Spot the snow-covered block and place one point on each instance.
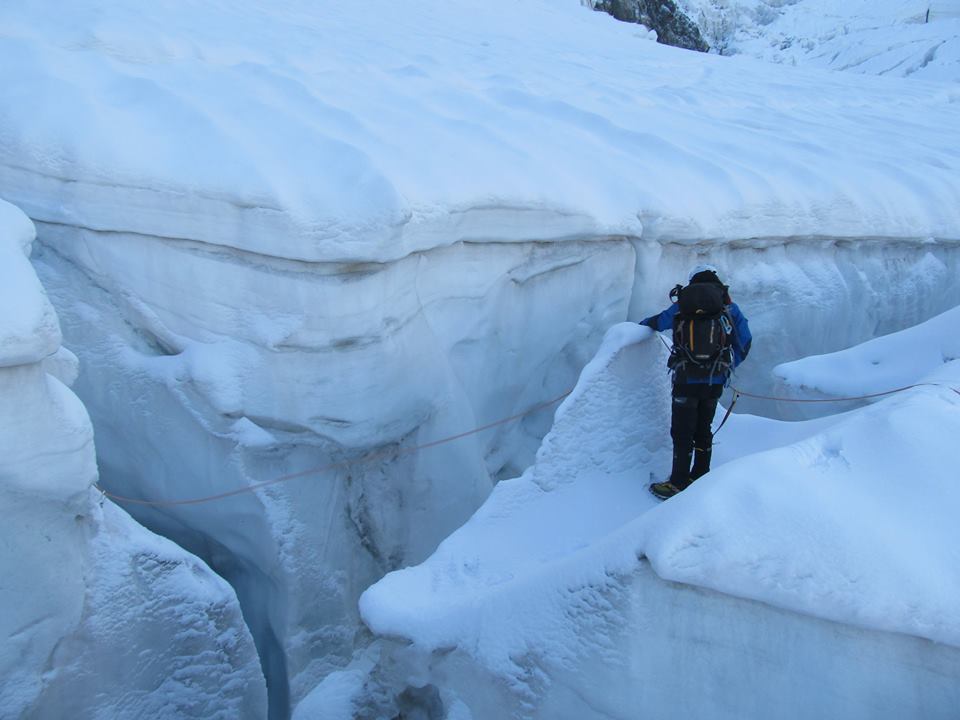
(821, 563)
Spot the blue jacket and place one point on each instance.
(741, 335)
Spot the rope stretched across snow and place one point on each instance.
(451, 438)
(335, 466)
(882, 393)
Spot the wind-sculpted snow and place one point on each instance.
(101, 618)
(365, 132)
(546, 594)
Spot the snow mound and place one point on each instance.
(813, 517)
(855, 523)
(884, 363)
(101, 619)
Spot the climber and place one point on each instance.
(710, 338)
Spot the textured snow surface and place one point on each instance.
(811, 517)
(101, 618)
(341, 132)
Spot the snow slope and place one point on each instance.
(101, 618)
(547, 593)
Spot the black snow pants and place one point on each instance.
(694, 406)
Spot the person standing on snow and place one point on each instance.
(710, 338)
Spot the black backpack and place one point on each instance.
(702, 333)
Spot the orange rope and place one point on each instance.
(882, 393)
(458, 436)
(332, 466)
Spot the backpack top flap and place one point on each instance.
(703, 299)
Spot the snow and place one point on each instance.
(286, 132)
(813, 517)
(336, 698)
(884, 363)
(101, 618)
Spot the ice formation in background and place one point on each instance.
(280, 238)
(101, 618)
(918, 39)
(572, 593)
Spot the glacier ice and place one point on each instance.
(277, 243)
(101, 618)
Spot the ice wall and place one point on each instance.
(101, 619)
(665, 650)
(225, 369)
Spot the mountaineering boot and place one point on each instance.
(665, 490)
(679, 477)
(701, 462)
